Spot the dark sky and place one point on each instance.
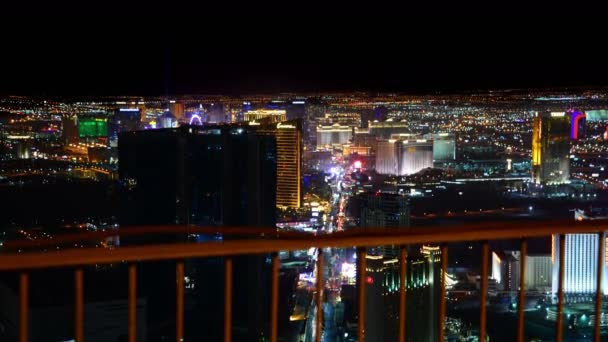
(146, 56)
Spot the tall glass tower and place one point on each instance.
(551, 148)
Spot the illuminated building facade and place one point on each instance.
(423, 283)
(538, 272)
(551, 148)
(505, 270)
(177, 109)
(385, 129)
(334, 135)
(69, 128)
(289, 161)
(266, 115)
(362, 138)
(167, 120)
(403, 157)
(91, 127)
(386, 157)
(342, 118)
(444, 146)
(580, 262)
(415, 156)
(360, 150)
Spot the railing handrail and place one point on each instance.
(361, 237)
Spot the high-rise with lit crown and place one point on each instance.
(551, 148)
(289, 161)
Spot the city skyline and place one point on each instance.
(400, 175)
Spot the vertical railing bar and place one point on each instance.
(598, 289)
(319, 296)
(179, 299)
(442, 294)
(132, 302)
(483, 295)
(228, 299)
(402, 291)
(560, 289)
(361, 270)
(274, 310)
(522, 292)
(78, 305)
(24, 284)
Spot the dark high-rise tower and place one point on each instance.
(198, 175)
(206, 176)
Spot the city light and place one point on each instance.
(71, 167)
(195, 117)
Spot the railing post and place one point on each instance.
(78, 305)
(484, 291)
(601, 244)
(274, 309)
(228, 299)
(132, 302)
(402, 291)
(560, 289)
(442, 294)
(522, 292)
(179, 307)
(23, 306)
(361, 270)
(319, 296)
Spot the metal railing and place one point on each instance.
(276, 241)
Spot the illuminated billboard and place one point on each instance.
(93, 127)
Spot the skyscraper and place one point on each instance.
(69, 128)
(289, 161)
(384, 210)
(198, 175)
(551, 148)
(386, 157)
(211, 176)
(580, 263)
(177, 109)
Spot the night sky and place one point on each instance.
(154, 57)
